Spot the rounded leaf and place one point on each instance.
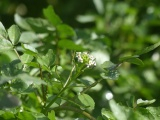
(86, 100)
(14, 34)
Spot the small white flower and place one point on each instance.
(84, 57)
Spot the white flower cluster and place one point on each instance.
(84, 57)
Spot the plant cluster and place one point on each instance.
(45, 79)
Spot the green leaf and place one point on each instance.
(155, 111)
(65, 31)
(3, 33)
(33, 64)
(26, 58)
(22, 22)
(5, 57)
(132, 102)
(108, 65)
(18, 86)
(107, 115)
(118, 112)
(30, 79)
(48, 59)
(39, 25)
(14, 34)
(51, 115)
(8, 115)
(142, 114)
(13, 68)
(51, 16)
(5, 45)
(29, 49)
(148, 49)
(141, 102)
(112, 74)
(68, 44)
(132, 59)
(4, 79)
(40, 116)
(99, 6)
(26, 116)
(86, 100)
(28, 37)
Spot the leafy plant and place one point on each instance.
(47, 75)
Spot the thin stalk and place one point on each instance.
(67, 83)
(19, 58)
(17, 54)
(92, 85)
(85, 90)
(43, 86)
(69, 77)
(70, 101)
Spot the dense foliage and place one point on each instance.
(106, 68)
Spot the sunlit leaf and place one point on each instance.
(117, 110)
(29, 49)
(141, 102)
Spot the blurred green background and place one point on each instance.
(118, 28)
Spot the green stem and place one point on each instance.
(44, 89)
(17, 54)
(70, 101)
(67, 83)
(69, 78)
(92, 85)
(85, 90)
(24, 66)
